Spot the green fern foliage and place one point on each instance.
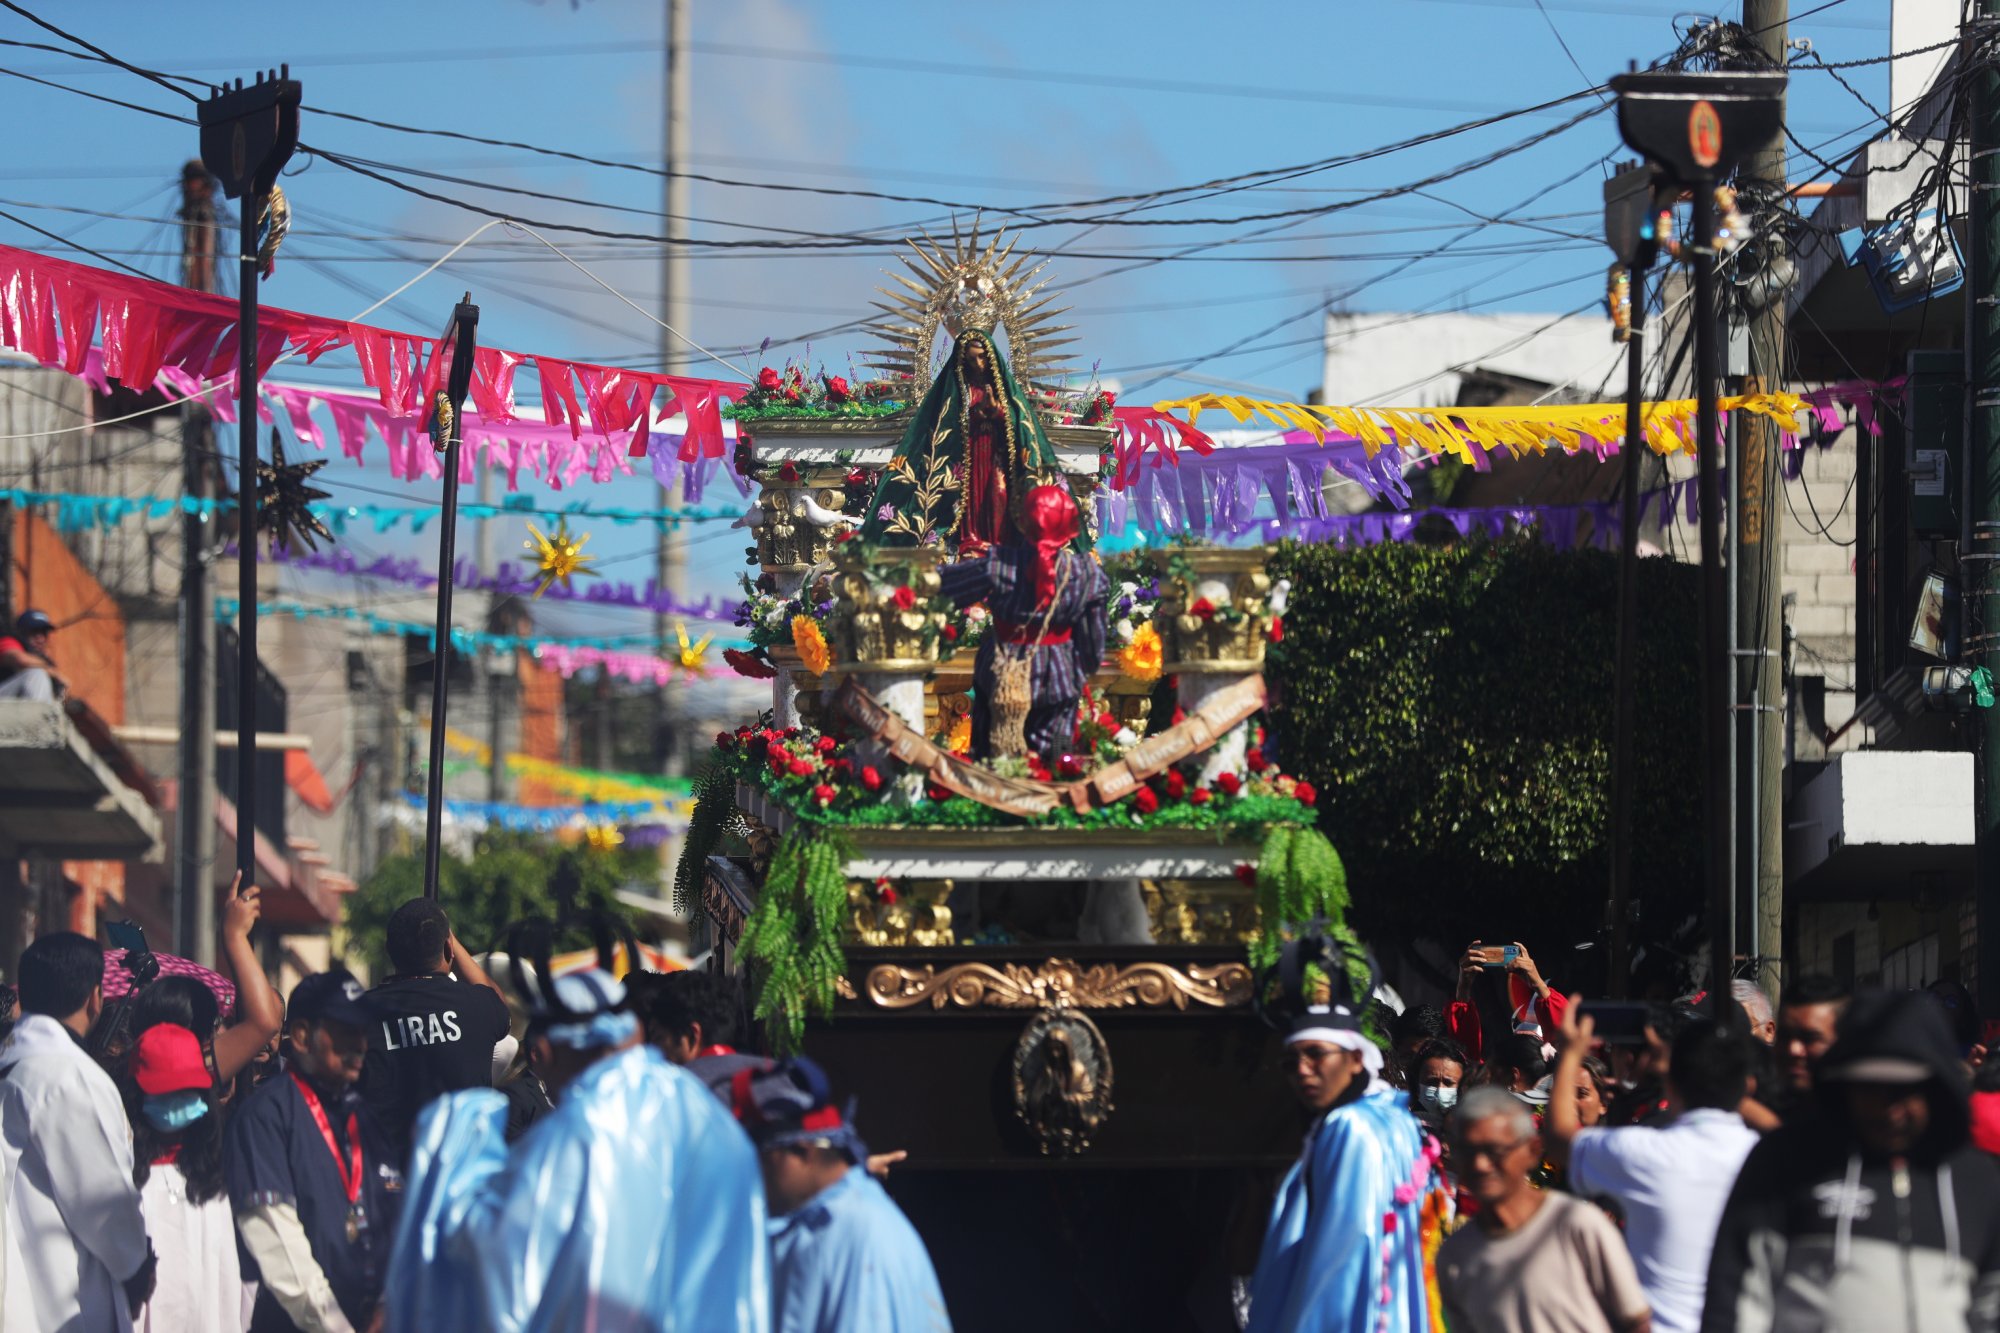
(791, 943)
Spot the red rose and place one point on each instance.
(837, 390)
(887, 893)
(724, 740)
(800, 768)
(937, 793)
(1277, 634)
(791, 733)
(1246, 873)
(1110, 398)
(904, 597)
(1199, 796)
(871, 778)
(791, 393)
(1068, 766)
(1146, 802)
(775, 751)
(1202, 607)
(857, 478)
(767, 379)
(1229, 783)
(1107, 721)
(1304, 791)
(1176, 784)
(825, 744)
(949, 634)
(824, 794)
(1256, 762)
(788, 471)
(840, 765)
(778, 764)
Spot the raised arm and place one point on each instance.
(468, 968)
(259, 1011)
(1561, 1124)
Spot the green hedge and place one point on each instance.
(1454, 705)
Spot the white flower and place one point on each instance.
(776, 618)
(975, 613)
(1281, 597)
(1126, 736)
(1125, 630)
(1128, 589)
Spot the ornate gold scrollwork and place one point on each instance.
(1059, 983)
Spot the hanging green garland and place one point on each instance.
(791, 943)
(714, 805)
(1299, 880)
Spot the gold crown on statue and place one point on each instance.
(959, 287)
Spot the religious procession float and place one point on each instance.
(1008, 851)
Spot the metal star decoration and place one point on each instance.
(284, 500)
(560, 556)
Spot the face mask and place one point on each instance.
(174, 1110)
(1436, 1094)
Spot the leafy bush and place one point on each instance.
(510, 876)
(1453, 706)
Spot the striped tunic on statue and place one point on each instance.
(1064, 656)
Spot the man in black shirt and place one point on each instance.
(431, 1032)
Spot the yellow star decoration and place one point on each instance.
(691, 653)
(560, 556)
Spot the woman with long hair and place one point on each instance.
(177, 1164)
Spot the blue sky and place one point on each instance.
(1075, 101)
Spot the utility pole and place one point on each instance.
(1982, 379)
(194, 884)
(670, 567)
(1757, 537)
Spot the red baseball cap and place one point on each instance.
(167, 1058)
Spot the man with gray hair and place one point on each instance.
(1757, 1005)
(1532, 1259)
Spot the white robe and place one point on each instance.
(200, 1284)
(73, 1226)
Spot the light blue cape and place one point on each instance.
(850, 1262)
(1331, 1261)
(635, 1204)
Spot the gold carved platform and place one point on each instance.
(1058, 983)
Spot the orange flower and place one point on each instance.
(1142, 658)
(811, 643)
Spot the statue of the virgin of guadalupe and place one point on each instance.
(974, 449)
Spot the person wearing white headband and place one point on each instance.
(1341, 1251)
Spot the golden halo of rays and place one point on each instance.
(559, 557)
(955, 286)
(692, 655)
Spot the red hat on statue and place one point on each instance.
(1050, 521)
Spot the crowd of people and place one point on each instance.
(427, 1154)
(198, 1156)
(1830, 1164)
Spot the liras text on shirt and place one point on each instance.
(419, 1030)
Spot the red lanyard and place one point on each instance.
(350, 1169)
